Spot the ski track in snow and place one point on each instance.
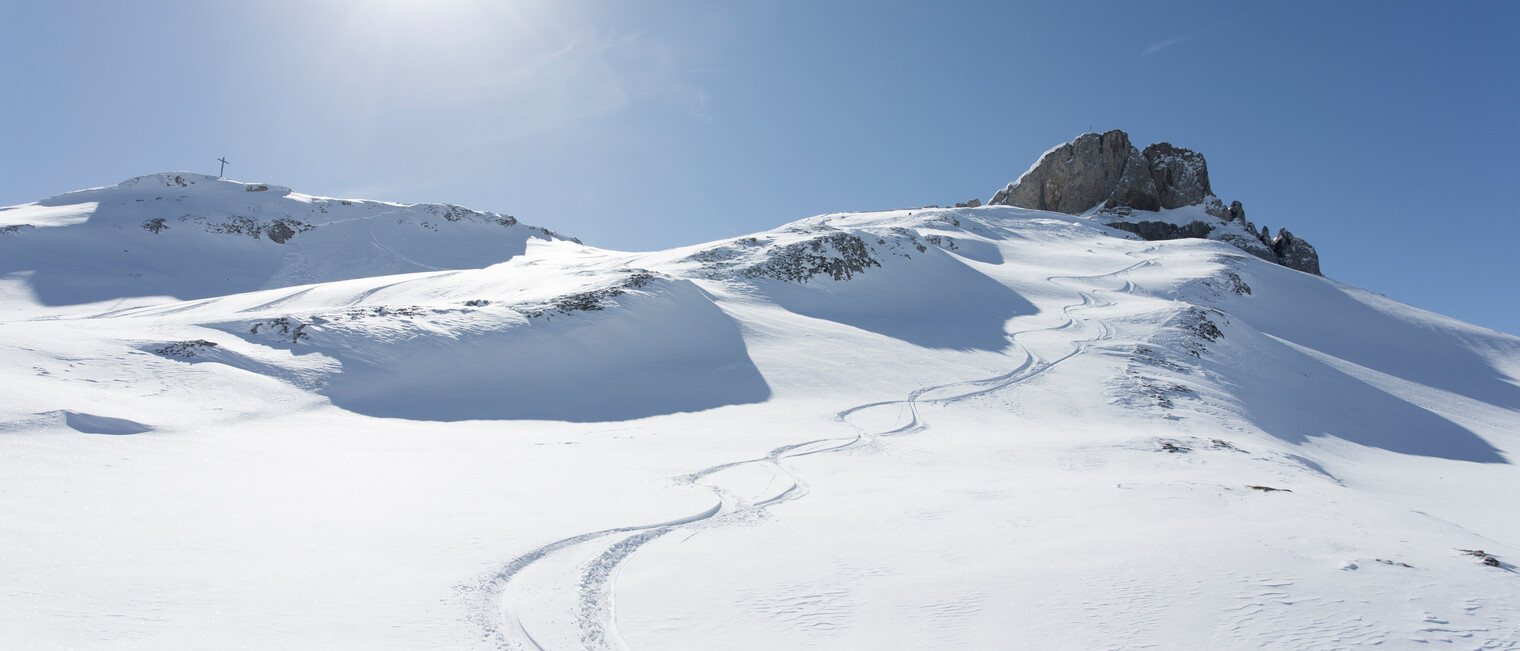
(282, 300)
(376, 242)
(595, 601)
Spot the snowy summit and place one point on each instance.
(1102, 411)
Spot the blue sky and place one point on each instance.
(1382, 132)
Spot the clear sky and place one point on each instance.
(1385, 133)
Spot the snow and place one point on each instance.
(190, 236)
(1009, 428)
(43, 216)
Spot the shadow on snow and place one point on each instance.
(931, 300)
(667, 351)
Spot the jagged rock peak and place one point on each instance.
(1106, 174)
(1181, 175)
(1107, 170)
(1237, 212)
(1078, 176)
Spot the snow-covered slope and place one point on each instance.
(973, 428)
(194, 236)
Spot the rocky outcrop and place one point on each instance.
(1106, 170)
(1181, 175)
(1295, 253)
(280, 232)
(1104, 173)
(1165, 230)
(1251, 244)
(838, 255)
(1080, 175)
(1136, 187)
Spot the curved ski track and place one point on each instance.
(594, 615)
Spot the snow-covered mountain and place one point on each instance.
(238, 417)
(195, 236)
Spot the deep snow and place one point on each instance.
(973, 428)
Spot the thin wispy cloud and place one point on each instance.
(1188, 37)
(1169, 42)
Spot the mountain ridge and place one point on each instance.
(963, 427)
(116, 241)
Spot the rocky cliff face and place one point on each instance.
(1107, 174)
(1181, 175)
(1080, 175)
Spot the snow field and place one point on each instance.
(1025, 432)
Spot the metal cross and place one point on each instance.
(224, 167)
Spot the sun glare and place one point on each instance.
(436, 13)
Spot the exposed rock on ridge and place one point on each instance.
(1295, 253)
(1181, 176)
(1104, 172)
(1080, 175)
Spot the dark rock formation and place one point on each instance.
(279, 232)
(1081, 174)
(1106, 169)
(1237, 212)
(1252, 245)
(1295, 253)
(837, 255)
(186, 349)
(1106, 172)
(1165, 230)
(1181, 175)
(1136, 187)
